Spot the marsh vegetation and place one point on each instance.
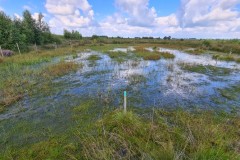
(65, 103)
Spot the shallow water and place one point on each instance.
(164, 84)
(149, 84)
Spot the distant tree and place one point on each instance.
(167, 38)
(76, 35)
(72, 35)
(95, 36)
(44, 30)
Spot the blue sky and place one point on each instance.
(130, 18)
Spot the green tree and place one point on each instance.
(30, 28)
(67, 34)
(5, 25)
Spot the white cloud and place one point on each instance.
(206, 18)
(26, 7)
(210, 17)
(70, 14)
(138, 11)
(35, 16)
(207, 12)
(1, 9)
(18, 16)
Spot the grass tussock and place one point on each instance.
(224, 57)
(1, 60)
(147, 134)
(154, 55)
(94, 58)
(208, 69)
(167, 55)
(118, 56)
(59, 69)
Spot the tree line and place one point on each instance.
(25, 31)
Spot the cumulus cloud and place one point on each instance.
(194, 18)
(219, 16)
(207, 13)
(70, 14)
(138, 11)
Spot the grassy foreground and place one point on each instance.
(140, 134)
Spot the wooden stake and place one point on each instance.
(1, 51)
(125, 101)
(18, 48)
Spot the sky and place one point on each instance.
(135, 18)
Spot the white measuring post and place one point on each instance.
(125, 102)
(1, 51)
(18, 48)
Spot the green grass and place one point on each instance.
(141, 134)
(208, 69)
(154, 55)
(224, 57)
(118, 56)
(21, 74)
(94, 58)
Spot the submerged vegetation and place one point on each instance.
(231, 93)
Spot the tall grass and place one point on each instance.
(141, 51)
(19, 75)
(147, 134)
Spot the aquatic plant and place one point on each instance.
(206, 69)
